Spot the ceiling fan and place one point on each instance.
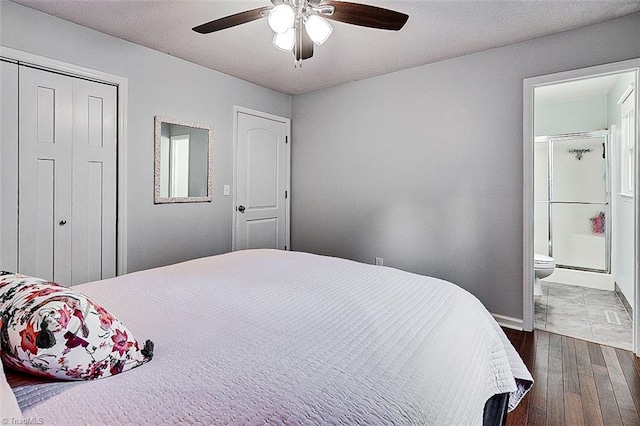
(299, 24)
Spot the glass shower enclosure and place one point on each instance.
(575, 200)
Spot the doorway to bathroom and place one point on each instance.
(580, 231)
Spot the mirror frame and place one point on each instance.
(158, 199)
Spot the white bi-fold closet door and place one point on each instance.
(67, 177)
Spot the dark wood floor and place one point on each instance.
(576, 382)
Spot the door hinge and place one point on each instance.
(285, 247)
(286, 139)
(286, 194)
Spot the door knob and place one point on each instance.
(241, 209)
(62, 222)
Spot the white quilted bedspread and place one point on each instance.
(278, 337)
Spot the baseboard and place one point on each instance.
(509, 322)
(582, 278)
(624, 300)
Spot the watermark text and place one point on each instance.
(22, 421)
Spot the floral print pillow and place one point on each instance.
(53, 331)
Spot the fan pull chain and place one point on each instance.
(297, 63)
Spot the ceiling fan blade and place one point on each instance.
(365, 15)
(232, 20)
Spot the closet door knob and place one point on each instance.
(62, 223)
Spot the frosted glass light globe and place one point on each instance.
(281, 18)
(318, 28)
(285, 41)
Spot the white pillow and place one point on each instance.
(54, 331)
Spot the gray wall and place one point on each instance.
(423, 167)
(159, 84)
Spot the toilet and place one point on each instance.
(543, 267)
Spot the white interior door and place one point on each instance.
(45, 178)
(94, 181)
(261, 184)
(67, 178)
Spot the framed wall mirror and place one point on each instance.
(182, 161)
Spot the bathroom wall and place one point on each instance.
(588, 115)
(577, 115)
(622, 206)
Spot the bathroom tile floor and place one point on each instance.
(583, 313)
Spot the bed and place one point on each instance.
(277, 337)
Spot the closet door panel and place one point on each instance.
(8, 166)
(45, 175)
(93, 238)
(44, 220)
(94, 181)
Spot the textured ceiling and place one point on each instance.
(436, 30)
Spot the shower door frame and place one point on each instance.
(607, 198)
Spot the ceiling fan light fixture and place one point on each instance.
(285, 41)
(287, 17)
(282, 18)
(318, 29)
